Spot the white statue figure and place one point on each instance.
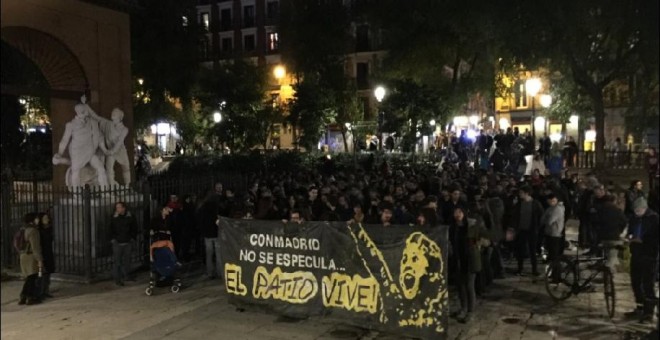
(115, 151)
(83, 137)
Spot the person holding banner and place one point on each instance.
(466, 238)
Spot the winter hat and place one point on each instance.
(640, 203)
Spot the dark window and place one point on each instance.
(362, 75)
(362, 38)
(364, 103)
(204, 21)
(225, 19)
(273, 41)
(272, 10)
(248, 42)
(205, 51)
(521, 94)
(227, 45)
(248, 16)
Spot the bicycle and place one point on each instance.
(567, 281)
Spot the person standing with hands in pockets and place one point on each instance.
(123, 230)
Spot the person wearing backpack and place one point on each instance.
(30, 259)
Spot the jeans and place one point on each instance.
(466, 292)
(486, 274)
(642, 280)
(121, 259)
(44, 286)
(496, 260)
(526, 245)
(212, 245)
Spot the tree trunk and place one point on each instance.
(599, 115)
(343, 136)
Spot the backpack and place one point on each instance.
(20, 242)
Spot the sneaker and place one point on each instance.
(22, 300)
(48, 296)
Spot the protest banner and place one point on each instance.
(392, 279)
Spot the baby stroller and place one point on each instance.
(164, 265)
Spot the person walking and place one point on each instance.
(466, 239)
(123, 232)
(46, 237)
(526, 220)
(643, 236)
(31, 260)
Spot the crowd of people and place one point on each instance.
(492, 214)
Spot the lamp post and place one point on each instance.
(533, 85)
(379, 93)
(546, 101)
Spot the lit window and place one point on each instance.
(204, 20)
(521, 94)
(184, 21)
(273, 41)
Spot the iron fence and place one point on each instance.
(613, 159)
(81, 217)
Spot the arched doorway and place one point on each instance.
(62, 71)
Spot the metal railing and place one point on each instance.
(81, 217)
(615, 160)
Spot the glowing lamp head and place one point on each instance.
(545, 100)
(379, 93)
(533, 86)
(279, 72)
(217, 117)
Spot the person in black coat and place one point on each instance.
(123, 232)
(46, 236)
(526, 220)
(644, 251)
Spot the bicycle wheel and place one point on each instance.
(560, 279)
(610, 292)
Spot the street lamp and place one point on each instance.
(379, 93)
(279, 72)
(217, 117)
(546, 101)
(533, 86)
(432, 122)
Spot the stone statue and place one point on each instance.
(83, 138)
(114, 149)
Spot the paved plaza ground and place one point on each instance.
(513, 308)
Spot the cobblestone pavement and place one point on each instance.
(513, 308)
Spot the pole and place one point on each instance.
(533, 128)
(87, 231)
(380, 130)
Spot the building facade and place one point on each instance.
(248, 29)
